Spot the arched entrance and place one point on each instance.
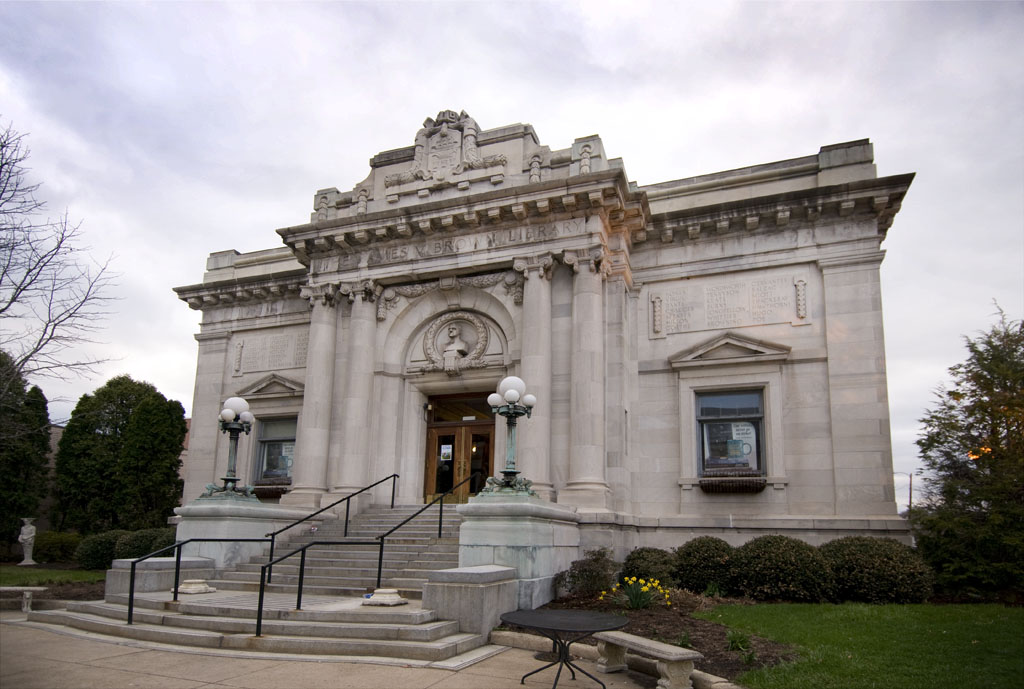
(460, 444)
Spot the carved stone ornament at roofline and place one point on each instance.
(210, 297)
(512, 281)
(445, 146)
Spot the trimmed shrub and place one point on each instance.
(97, 551)
(702, 562)
(56, 546)
(143, 542)
(780, 568)
(650, 563)
(589, 576)
(877, 570)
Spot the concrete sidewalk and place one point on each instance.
(36, 656)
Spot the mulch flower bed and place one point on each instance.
(674, 625)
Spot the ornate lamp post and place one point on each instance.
(510, 401)
(234, 419)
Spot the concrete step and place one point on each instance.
(433, 650)
(422, 631)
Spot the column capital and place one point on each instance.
(323, 293)
(591, 259)
(367, 289)
(539, 263)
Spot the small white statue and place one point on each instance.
(27, 538)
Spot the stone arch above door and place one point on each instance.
(420, 334)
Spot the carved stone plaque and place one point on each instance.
(732, 302)
(269, 352)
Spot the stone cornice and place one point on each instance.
(241, 291)
(878, 198)
(605, 192)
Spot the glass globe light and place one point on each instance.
(227, 415)
(511, 395)
(237, 405)
(246, 417)
(512, 383)
(529, 401)
(495, 400)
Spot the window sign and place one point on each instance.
(733, 444)
(277, 448)
(446, 453)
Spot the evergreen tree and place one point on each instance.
(970, 526)
(118, 460)
(24, 446)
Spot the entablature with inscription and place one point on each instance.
(605, 193)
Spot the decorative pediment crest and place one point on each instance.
(445, 147)
(728, 348)
(270, 386)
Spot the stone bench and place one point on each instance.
(674, 663)
(26, 594)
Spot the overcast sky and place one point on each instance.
(172, 130)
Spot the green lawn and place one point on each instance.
(12, 575)
(856, 646)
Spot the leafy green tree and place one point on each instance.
(24, 446)
(118, 460)
(970, 527)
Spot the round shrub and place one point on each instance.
(877, 570)
(56, 546)
(143, 542)
(591, 575)
(702, 562)
(97, 551)
(650, 563)
(780, 568)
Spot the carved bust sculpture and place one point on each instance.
(456, 345)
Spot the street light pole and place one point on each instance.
(512, 402)
(235, 419)
(910, 492)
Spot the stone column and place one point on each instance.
(309, 470)
(587, 485)
(534, 443)
(352, 472)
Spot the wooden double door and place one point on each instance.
(460, 434)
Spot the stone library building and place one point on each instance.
(707, 353)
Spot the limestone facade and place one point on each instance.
(707, 352)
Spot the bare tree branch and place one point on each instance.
(53, 296)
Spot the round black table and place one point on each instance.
(564, 627)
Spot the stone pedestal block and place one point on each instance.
(228, 519)
(476, 597)
(537, 538)
(156, 574)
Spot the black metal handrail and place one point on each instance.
(347, 500)
(265, 578)
(440, 518)
(177, 547)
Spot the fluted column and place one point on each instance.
(535, 436)
(352, 472)
(587, 486)
(313, 435)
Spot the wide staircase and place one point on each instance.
(351, 570)
(332, 621)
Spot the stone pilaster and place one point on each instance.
(206, 405)
(352, 473)
(858, 396)
(587, 486)
(534, 442)
(309, 470)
